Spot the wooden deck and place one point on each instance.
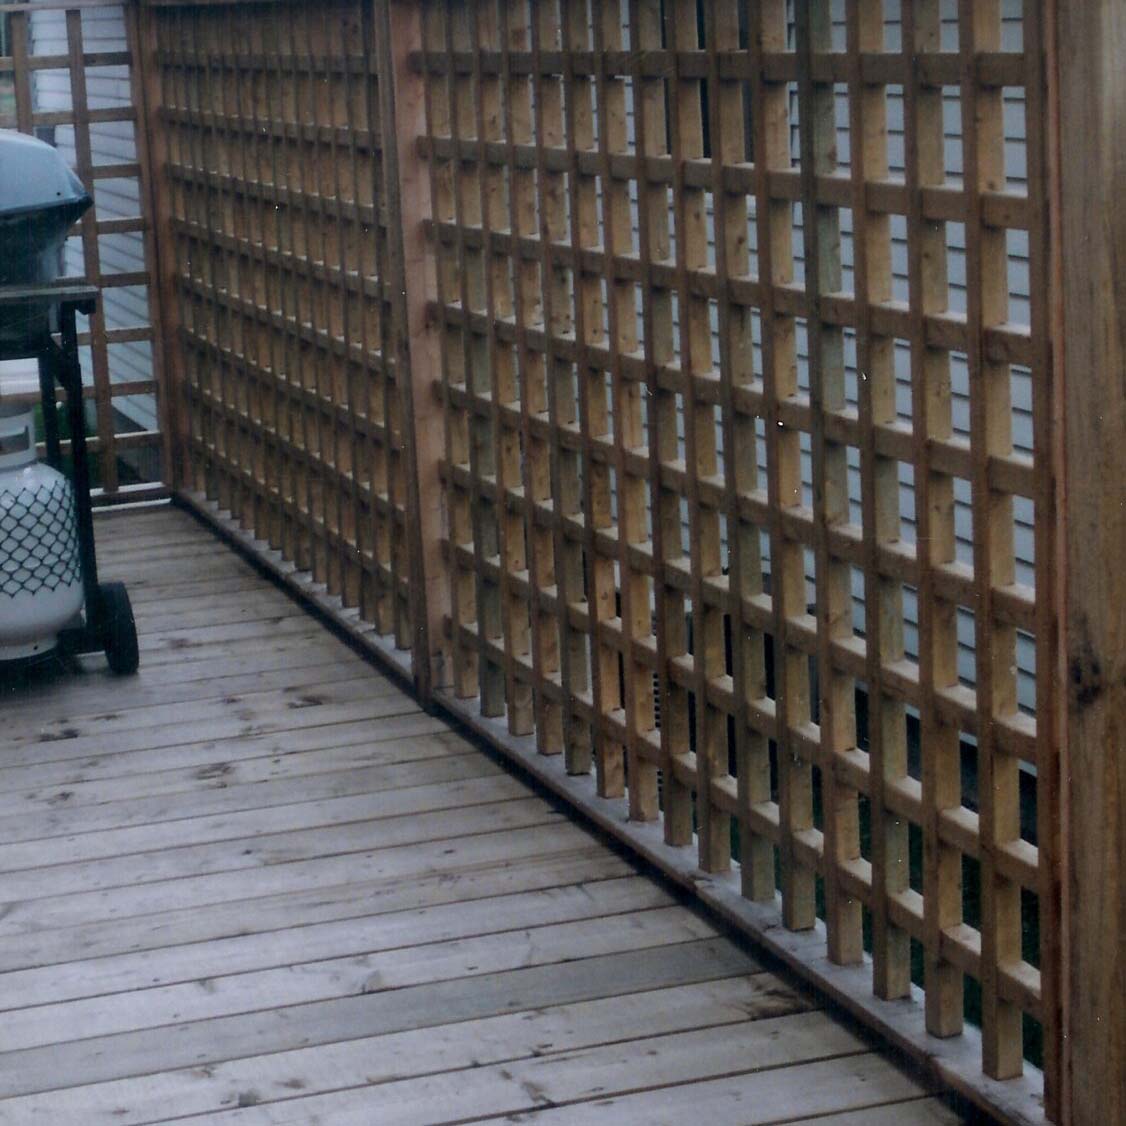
(256, 884)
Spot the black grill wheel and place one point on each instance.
(119, 630)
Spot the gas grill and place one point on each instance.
(50, 596)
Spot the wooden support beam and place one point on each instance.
(417, 355)
(160, 247)
(1092, 265)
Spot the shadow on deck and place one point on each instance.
(257, 884)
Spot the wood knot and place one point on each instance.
(1085, 676)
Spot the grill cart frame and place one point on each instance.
(108, 626)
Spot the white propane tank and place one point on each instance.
(40, 567)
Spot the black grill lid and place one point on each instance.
(40, 200)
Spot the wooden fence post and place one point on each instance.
(1091, 39)
(407, 183)
(152, 142)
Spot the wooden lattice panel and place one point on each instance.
(68, 74)
(670, 324)
(284, 287)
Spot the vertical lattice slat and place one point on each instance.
(979, 28)
(19, 32)
(635, 600)
(654, 245)
(789, 519)
(593, 424)
(770, 152)
(883, 596)
(662, 217)
(931, 410)
(821, 223)
(690, 369)
(727, 141)
(531, 631)
(84, 165)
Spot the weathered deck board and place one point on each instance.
(256, 884)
